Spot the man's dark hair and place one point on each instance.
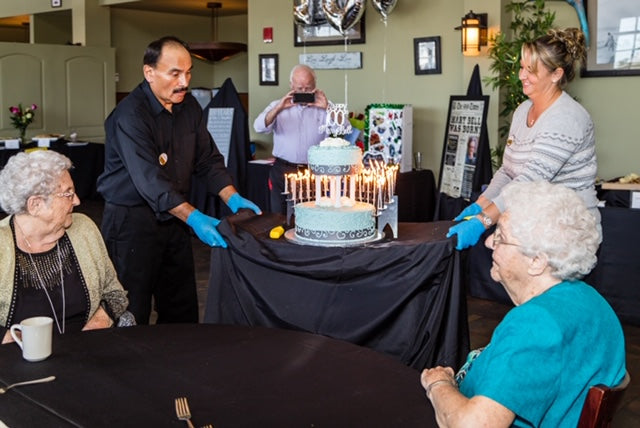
(153, 51)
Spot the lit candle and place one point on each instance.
(318, 189)
(368, 194)
(334, 190)
(293, 188)
(352, 188)
(380, 186)
(285, 183)
(308, 187)
(374, 193)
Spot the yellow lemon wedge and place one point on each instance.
(276, 232)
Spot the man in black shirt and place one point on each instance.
(156, 140)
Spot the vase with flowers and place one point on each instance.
(22, 118)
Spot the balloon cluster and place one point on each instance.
(341, 14)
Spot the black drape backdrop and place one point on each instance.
(239, 152)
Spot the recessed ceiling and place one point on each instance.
(187, 7)
(183, 7)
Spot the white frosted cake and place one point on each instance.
(334, 225)
(334, 156)
(335, 219)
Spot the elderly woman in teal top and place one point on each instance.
(561, 338)
(53, 262)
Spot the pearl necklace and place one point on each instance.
(64, 305)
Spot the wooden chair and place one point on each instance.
(601, 404)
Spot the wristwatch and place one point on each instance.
(485, 219)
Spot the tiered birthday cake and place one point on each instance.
(334, 156)
(335, 217)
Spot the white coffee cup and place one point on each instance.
(35, 339)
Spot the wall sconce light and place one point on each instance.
(474, 33)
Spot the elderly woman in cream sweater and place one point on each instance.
(52, 262)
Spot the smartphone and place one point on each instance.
(304, 97)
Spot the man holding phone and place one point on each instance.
(295, 121)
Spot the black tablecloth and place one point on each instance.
(402, 297)
(232, 376)
(615, 276)
(416, 192)
(88, 164)
(258, 185)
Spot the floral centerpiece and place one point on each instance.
(22, 118)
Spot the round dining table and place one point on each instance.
(232, 376)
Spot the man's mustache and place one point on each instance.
(183, 89)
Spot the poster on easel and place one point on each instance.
(465, 122)
(388, 134)
(220, 126)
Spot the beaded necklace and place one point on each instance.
(35, 267)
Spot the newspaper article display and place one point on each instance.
(463, 135)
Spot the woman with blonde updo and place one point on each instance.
(551, 137)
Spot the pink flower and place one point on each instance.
(14, 110)
(33, 106)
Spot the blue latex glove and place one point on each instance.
(468, 232)
(236, 202)
(205, 227)
(471, 210)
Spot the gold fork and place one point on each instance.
(183, 412)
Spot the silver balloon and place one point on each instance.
(308, 13)
(343, 14)
(384, 6)
(302, 14)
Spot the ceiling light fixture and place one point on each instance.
(214, 50)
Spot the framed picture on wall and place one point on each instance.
(614, 45)
(426, 55)
(268, 69)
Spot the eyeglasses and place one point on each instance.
(69, 195)
(497, 240)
